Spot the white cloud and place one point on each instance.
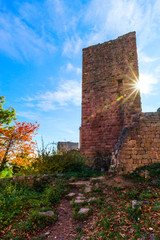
(69, 92)
(61, 17)
(29, 115)
(72, 46)
(146, 83)
(29, 104)
(113, 18)
(70, 67)
(144, 58)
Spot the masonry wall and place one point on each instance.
(142, 144)
(67, 146)
(109, 71)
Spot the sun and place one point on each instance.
(145, 82)
(140, 85)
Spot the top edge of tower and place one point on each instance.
(127, 35)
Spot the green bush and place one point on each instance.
(6, 173)
(36, 220)
(70, 163)
(56, 163)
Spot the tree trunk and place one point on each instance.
(4, 161)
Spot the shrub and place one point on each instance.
(53, 194)
(22, 203)
(55, 163)
(6, 173)
(36, 220)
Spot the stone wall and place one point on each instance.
(110, 71)
(31, 179)
(66, 146)
(141, 145)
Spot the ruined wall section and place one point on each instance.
(66, 146)
(109, 71)
(142, 144)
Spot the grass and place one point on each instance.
(20, 206)
(114, 217)
(112, 212)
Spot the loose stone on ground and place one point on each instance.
(84, 211)
(48, 213)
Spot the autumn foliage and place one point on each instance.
(17, 145)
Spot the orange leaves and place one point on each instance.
(16, 143)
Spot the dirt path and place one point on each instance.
(64, 228)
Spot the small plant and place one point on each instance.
(78, 229)
(105, 223)
(132, 194)
(156, 207)
(53, 194)
(134, 213)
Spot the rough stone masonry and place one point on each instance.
(112, 121)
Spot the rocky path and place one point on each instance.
(64, 228)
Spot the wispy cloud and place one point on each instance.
(144, 58)
(20, 41)
(117, 17)
(70, 67)
(62, 19)
(28, 114)
(113, 18)
(68, 92)
(72, 46)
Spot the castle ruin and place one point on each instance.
(112, 120)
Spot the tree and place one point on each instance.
(6, 115)
(16, 144)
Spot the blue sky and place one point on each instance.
(41, 56)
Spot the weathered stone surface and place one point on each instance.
(146, 147)
(79, 201)
(101, 178)
(79, 183)
(48, 213)
(91, 199)
(70, 195)
(80, 197)
(84, 211)
(112, 121)
(88, 189)
(67, 146)
(107, 72)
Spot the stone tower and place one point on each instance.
(109, 99)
